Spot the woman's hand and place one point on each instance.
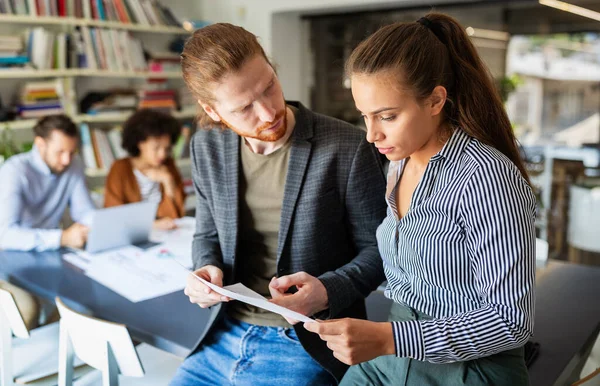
(355, 341)
(162, 175)
(165, 223)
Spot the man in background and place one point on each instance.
(37, 186)
(35, 189)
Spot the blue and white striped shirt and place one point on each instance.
(463, 254)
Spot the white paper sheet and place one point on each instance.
(244, 294)
(136, 275)
(176, 243)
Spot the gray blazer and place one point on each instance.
(333, 203)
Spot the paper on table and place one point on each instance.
(176, 243)
(136, 275)
(77, 260)
(244, 294)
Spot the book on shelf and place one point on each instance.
(85, 47)
(145, 12)
(11, 51)
(100, 147)
(87, 150)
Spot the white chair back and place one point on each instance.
(541, 250)
(13, 319)
(11, 322)
(103, 345)
(584, 218)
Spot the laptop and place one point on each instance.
(118, 226)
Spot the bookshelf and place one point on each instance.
(148, 23)
(74, 21)
(27, 124)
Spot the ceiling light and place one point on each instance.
(571, 8)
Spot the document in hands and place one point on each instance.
(244, 294)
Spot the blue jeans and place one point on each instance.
(238, 353)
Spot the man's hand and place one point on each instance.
(165, 223)
(310, 298)
(202, 294)
(354, 340)
(74, 236)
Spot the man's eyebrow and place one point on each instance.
(241, 107)
(271, 82)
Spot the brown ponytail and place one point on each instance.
(437, 51)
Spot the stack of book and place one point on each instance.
(11, 51)
(164, 61)
(162, 100)
(186, 99)
(38, 99)
(117, 102)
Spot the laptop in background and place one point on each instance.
(117, 226)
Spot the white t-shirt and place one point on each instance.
(150, 190)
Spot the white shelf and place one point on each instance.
(30, 73)
(181, 163)
(27, 124)
(128, 74)
(184, 162)
(96, 172)
(121, 117)
(186, 113)
(112, 117)
(22, 124)
(74, 72)
(51, 20)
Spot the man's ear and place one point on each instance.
(210, 111)
(40, 143)
(437, 100)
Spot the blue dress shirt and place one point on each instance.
(33, 200)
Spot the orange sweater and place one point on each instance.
(122, 188)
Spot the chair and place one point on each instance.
(32, 356)
(584, 222)
(107, 346)
(591, 380)
(541, 250)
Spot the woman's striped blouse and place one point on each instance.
(463, 254)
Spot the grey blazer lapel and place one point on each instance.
(232, 167)
(299, 157)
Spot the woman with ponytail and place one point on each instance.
(458, 242)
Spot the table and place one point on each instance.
(567, 321)
(168, 322)
(567, 317)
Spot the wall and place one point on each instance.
(284, 35)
